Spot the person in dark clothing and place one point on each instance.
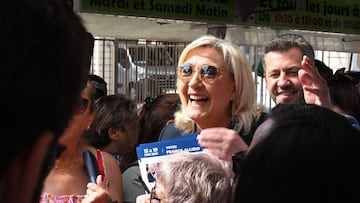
(301, 153)
(44, 60)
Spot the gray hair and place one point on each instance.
(195, 178)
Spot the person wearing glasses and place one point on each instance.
(217, 94)
(68, 180)
(192, 178)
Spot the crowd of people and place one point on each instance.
(303, 150)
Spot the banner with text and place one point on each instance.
(342, 16)
(339, 16)
(197, 10)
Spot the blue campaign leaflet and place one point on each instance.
(150, 154)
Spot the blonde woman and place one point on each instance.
(217, 93)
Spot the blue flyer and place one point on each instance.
(150, 154)
(165, 147)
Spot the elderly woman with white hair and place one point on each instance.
(191, 178)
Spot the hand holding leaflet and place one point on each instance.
(150, 154)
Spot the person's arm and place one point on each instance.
(106, 189)
(114, 177)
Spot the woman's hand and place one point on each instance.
(97, 193)
(222, 142)
(143, 198)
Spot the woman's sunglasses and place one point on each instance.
(82, 106)
(208, 73)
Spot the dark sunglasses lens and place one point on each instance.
(209, 73)
(186, 70)
(82, 106)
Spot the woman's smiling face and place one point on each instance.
(208, 104)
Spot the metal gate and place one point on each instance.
(143, 68)
(137, 69)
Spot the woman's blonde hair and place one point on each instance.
(244, 107)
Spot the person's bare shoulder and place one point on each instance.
(113, 174)
(110, 162)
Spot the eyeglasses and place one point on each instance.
(153, 197)
(82, 106)
(208, 73)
